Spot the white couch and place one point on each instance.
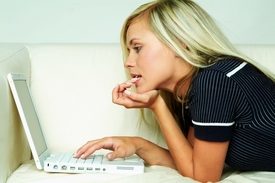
(71, 86)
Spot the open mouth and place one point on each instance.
(135, 77)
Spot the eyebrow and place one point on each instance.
(131, 41)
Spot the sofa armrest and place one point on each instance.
(14, 148)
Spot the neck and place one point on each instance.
(182, 87)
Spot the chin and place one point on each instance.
(143, 89)
(139, 91)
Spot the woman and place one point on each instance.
(212, 105)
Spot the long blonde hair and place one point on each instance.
(188, 30)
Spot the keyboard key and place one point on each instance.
(98, 159)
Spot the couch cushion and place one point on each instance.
(71, 86)
(154, 174)
(13, 144)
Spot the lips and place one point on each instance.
(135, 75)
(135, 78)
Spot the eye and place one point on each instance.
(137, 49)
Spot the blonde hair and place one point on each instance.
(188, 30)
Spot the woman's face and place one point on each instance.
(149, 60)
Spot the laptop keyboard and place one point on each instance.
(69, 158)
(66, 162)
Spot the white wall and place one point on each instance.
(244, 21)
(32, 21)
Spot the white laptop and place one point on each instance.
(64, 162)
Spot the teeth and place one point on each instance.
(134, 79)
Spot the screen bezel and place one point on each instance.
(38, 158)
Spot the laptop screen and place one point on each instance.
(30, 115)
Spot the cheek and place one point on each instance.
(145, 85)
(153, 78)
(156, 67)
(149, 61)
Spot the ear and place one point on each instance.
(184, 46)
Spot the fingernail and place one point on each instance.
(82, 156)
(127, 92)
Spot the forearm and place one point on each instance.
(180, 149)
(153, 154)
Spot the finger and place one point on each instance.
(118, 153)
(118, 97)
(115, 93)
(143, 98)
(119, 89)
(127, 102)
(105, 143)
(124, 86)
(90, 150)
(84, 148)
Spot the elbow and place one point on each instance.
(206, 180)
(200, 176)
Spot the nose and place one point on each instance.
(130, 62)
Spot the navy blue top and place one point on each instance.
(233, 101)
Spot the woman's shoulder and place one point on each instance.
(226, 71)
(224, 64)
(232, 71)
(220, 69)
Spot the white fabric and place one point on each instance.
(155, 174)
(13, 144)
(71, 86)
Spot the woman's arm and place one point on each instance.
(199, 159)
(153, 154)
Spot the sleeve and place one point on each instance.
(213, 106)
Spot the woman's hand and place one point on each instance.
(121, 147)
(123, 96)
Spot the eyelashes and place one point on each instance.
(137, 49)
